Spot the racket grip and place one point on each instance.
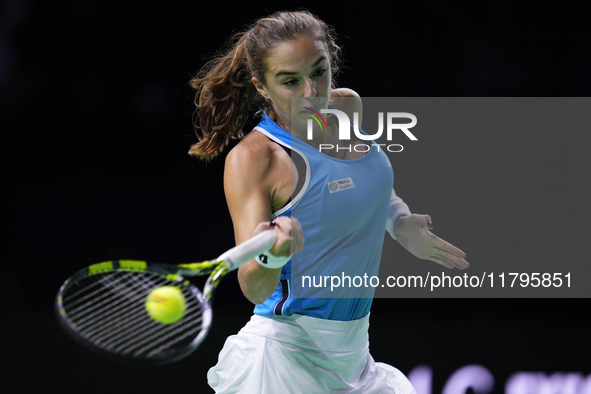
(248, 250)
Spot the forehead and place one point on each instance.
(294, 55)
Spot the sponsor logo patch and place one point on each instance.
(340, 184)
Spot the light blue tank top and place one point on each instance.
(342, 207)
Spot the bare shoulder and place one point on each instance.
(343, 92)
(256, 162)
(252, 156)
(346, 100)
(257, 178)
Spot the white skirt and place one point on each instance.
(303, 355)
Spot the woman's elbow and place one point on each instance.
(257, 297)
(258, 284)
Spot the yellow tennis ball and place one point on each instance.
(166, 304)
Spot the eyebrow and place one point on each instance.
(320, 60)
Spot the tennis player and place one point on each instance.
(297, 344)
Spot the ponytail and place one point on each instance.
(224, 96)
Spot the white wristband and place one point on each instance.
(396, 209)
(267, 260)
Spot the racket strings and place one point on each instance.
(101, 299)
(124, 316)
(109, 311)
(85, 293)
(159, 340)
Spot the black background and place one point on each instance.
(96, 122)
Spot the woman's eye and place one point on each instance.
(290, 82)
(319, 72)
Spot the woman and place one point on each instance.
(301, 344)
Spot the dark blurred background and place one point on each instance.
(96, 118)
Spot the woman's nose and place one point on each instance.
(310, 88)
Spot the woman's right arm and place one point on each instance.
(251, 175)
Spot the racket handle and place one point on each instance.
(248, 250)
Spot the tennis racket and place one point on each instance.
(103, 306)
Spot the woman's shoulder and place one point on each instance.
(258, 167)
(343, 92)
(254, 153)
(346, 100)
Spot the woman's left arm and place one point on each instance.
(413, 233)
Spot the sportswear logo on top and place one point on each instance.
(340, 184)
(263, 258)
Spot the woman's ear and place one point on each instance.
(259, 86)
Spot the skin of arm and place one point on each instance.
(257, 176)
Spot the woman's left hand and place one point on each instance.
(412, 232)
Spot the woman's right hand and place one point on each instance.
(290, 236)
(258, 282)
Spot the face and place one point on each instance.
(298, 68)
